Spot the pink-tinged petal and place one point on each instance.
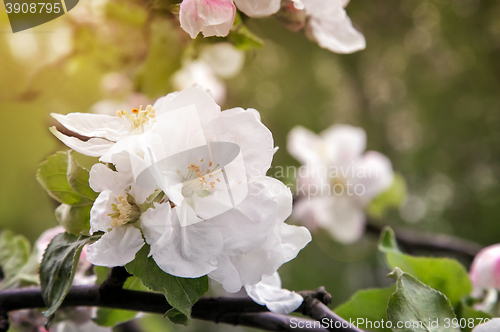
(258, 8)
(94, 147)
(210, 17)
(485, 269)
(117, 247)
(108, 127)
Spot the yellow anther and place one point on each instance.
(135, 111)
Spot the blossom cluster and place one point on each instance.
(324, 21)
(180, 177)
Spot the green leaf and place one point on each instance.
(18, 265)
(443, 274)
(75, 219)
(177, 317)
(181, 293)
(78, 179)
(53, 176)
(58, 268)
(367, 305)
(468, 317)
(111, 317)
(418, 307)
(391, 198)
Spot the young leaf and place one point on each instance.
(58, 268)
(74, 219)
(18, 265)
(443, 274)
(367, 305)
(415, 307)
(53, 176)
(181, 293)
(78, 179)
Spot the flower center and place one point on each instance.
(139, 117)
(199, 182)
(124, 212)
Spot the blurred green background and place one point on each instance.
(426, 90)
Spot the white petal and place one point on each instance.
(303, 145)
(116, 248)
(188, 252)
(200, 73)
(280, 247)
(336, 33)
(205, 105)
(254, 139)
(103, 178)
(227, 275)
(258, 8)
(224, 59)
(341, 216)
(99, 215)
(268, 292)
(374, 174)
(344, 143)
(211, 17)
(491, 326)
(108, 127)
(94, 147)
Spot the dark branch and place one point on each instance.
(116, 278)
(315, 306)
(417, 240)
(236, 311)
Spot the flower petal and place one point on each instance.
(116, 248)
(94, 147)
(246, 130)
(304, 145)
(188, 252)
(374, 173)
(332, 28)
(108, 127)
(99, 215)
(258, 8)
(268, 292)
(211, 17)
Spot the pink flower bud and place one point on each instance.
(210, 17)
(485, 270)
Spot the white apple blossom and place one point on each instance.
(337, 179)
(216, 17)
(324, 21)
(187, 182)
(216, 62)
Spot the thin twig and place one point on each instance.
(236, 311)
(417, 240)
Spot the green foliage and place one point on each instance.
(443, 274)
(367, 304)
(427, 309)
(181, 293)
(391, 198)
(18, 265)
(68, 183)
(466, 313)
(58, 268)
(111, 317)
(241, 37)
